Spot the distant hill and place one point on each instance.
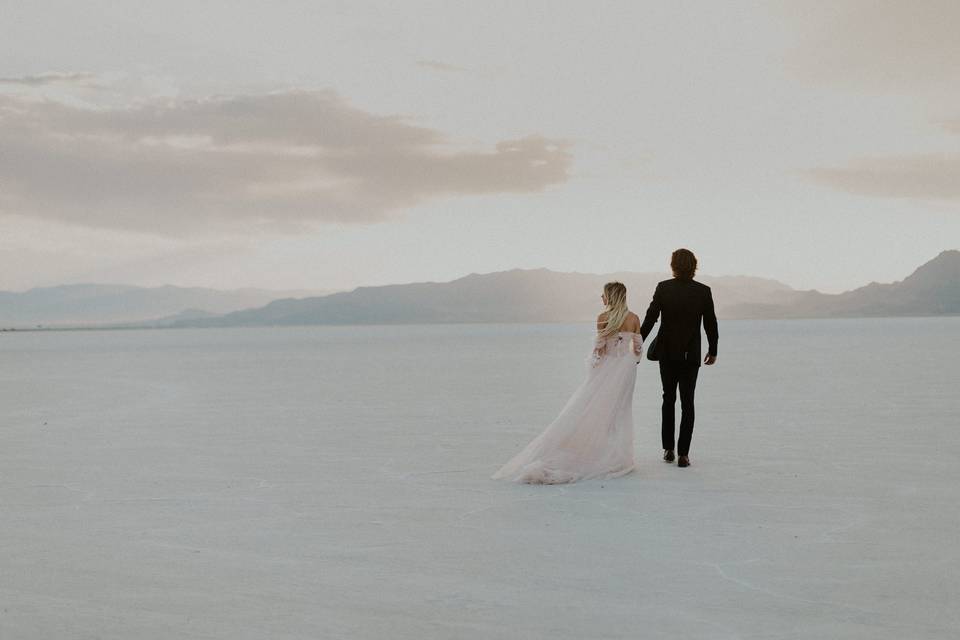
(534, 295)
(537, 295)
(94, 304)
(931, 290)
(186, 315)
(541, 295)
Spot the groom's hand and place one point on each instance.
(709, 360)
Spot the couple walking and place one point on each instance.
(593, 435)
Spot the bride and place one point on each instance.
(593, 435)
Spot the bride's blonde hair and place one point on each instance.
(616, 308)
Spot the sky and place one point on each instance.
(329, 145)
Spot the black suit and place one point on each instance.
(681, 305)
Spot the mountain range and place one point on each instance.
(96, 304)
(541, 295)
(931, 290)
(532, 295)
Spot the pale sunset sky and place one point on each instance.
(327, 145)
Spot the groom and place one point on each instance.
(681, 303)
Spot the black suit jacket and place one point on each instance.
(681, 305)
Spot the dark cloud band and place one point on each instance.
(280, 161)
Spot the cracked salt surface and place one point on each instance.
(334, 483)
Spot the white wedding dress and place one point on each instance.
(593, 435)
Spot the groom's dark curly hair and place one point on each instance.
(684, 264)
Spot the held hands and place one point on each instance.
(709, 360)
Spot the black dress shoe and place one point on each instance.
(684, 461)
(668, 455)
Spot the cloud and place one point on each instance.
(83, 79)
(878, 44)
(437, 65)
(907, 50)
(279, 161)
(921, 176)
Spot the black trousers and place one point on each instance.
(674, 374)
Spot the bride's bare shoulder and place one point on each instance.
(631, 322)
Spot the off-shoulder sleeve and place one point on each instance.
(599, 350)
